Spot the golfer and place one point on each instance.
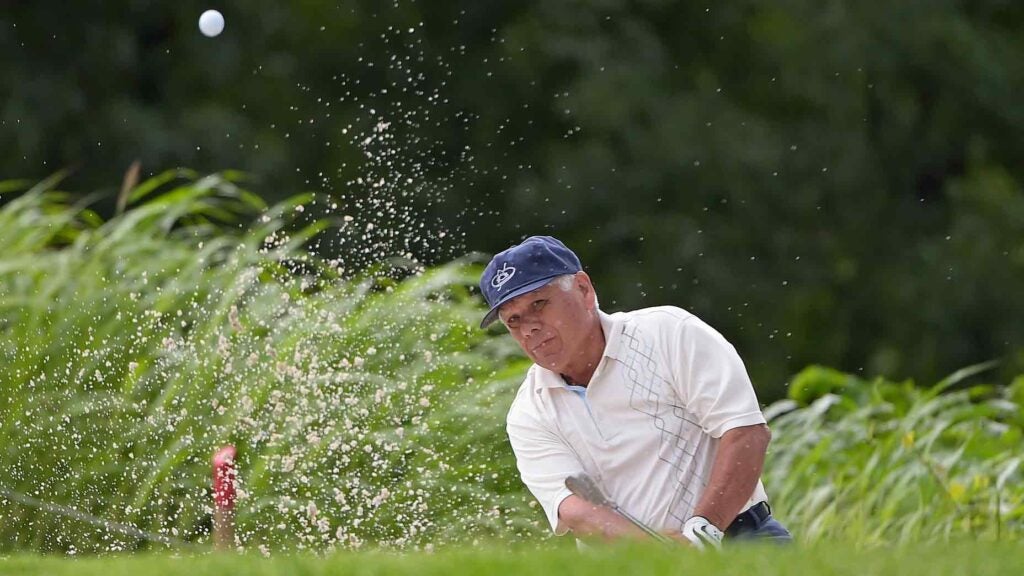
(653, 404)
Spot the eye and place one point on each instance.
(538, 304)
(512, 320)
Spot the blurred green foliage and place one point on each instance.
(369, 410)
(364, 410)
(637, 558)
(835, 184)
(880, 462)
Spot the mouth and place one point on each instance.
(536, 348)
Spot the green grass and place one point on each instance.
(364, 409)
(368, 410)
(952, 560)
(877, 462)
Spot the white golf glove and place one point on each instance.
(702, 533)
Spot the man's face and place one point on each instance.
(550, 324)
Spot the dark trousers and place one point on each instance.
(756, 523)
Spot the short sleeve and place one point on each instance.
(710, 377)
(544, 462)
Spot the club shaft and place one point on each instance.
(636, 522)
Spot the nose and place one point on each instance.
(530, 328)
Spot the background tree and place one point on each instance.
(833, 183)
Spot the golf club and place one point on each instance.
(584, 486)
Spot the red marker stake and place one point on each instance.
(224, 495)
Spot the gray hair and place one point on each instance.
(565, 283)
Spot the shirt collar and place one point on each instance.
(612, 328)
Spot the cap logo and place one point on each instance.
(504, 275)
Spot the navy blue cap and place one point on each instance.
(523, 268)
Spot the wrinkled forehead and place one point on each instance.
(523, 300)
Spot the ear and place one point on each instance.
(586, 288)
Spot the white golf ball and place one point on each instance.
(211, 23)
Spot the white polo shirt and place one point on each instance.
(648, 426)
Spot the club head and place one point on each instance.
(584, 486)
